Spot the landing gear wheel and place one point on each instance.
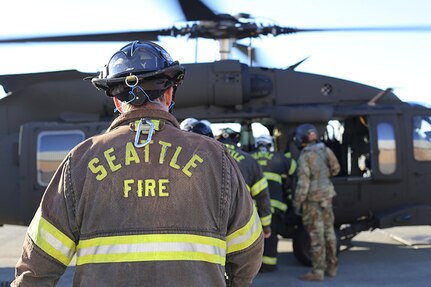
(301, 246)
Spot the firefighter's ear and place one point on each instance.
(168, 96)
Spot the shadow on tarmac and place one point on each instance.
(364, 264)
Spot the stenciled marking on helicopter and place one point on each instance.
(326, 89)
(144, 187)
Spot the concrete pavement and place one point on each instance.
(392, 257)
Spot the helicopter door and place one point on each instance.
(419, 157)
(42, 147)
(389, 188)
(348, 137)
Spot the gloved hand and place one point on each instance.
(266, 231)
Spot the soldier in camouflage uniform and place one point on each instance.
(313, 198)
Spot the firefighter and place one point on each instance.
(253, 176)
(279, 170)
(144, 204)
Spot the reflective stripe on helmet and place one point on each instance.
(51, 240)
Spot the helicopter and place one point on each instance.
(382, 143)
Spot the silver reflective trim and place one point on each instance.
(152, 247)
(55, 243)
(246, 236)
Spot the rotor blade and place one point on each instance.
(195, 10)
(100, 37)
(14, 82)
(277, 30)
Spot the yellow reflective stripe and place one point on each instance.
(273, 176)
(292, 166)
(151, 247)
(278, 204)
(266, 220)
(259, 186)
(245, 236)
(269, 260)
(248, 187)
(145, 126)
(50, 239)
(292, 162)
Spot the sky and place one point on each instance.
(400, 60)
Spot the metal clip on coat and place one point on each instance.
(139, 130)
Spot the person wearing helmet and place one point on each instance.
(313, 200)
(202, 127)
(144, 203)
(279, 170)
(187, 124)
(253, 176)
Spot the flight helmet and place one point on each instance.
(140, 71)
(201, 127)
(302, 134)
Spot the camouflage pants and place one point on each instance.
(318, 221)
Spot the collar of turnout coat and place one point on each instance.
(143, 113)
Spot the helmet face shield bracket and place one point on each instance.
(131, 81)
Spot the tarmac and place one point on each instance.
(392, 257)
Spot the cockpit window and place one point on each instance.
(52, 147)
(422, 138)
(387, 148)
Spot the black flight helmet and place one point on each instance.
(202, 128)
(140, 71)
(301, 134)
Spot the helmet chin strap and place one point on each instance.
(171, 107)
(118, 103)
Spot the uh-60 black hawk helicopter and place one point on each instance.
(383, 144)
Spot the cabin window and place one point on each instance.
(52, 147)
(422, 138)
(387, 148)
(246, 138)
